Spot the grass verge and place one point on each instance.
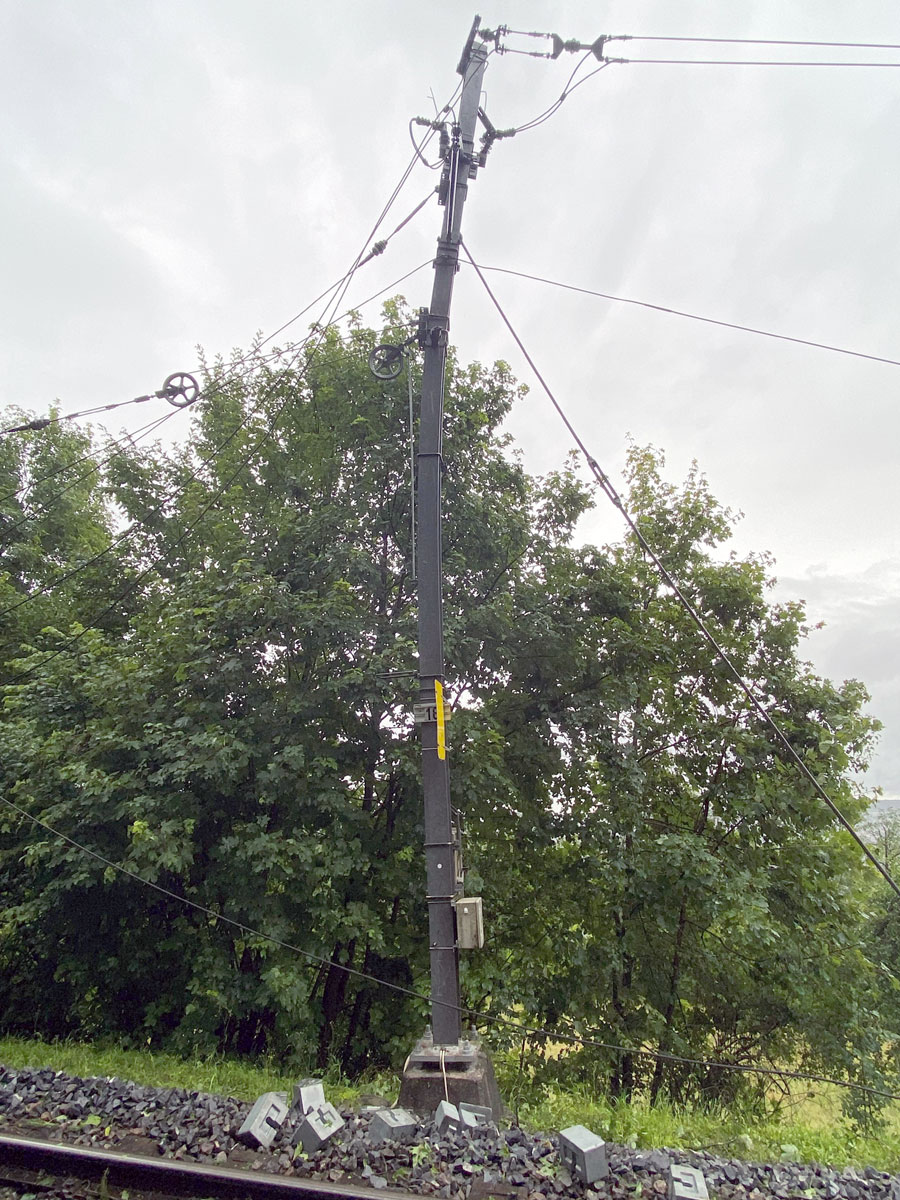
(811, 1130)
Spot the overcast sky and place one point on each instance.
(183, 172)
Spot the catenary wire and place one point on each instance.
(745, 62)
(677, 312)
(491, 1018)
(612, 494)
(641, 37)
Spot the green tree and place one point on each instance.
(238, 731)
(679, 888)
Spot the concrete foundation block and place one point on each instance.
(263, 1121)
(392, 1124)
(317, 1127)
(687, 1183)
(584, 1153)
(423, 1084)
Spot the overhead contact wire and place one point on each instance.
(747, 62)
(641, 37)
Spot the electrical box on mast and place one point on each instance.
(469, 923)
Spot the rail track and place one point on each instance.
(31, 1166)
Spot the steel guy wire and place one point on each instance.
(613, 496)
(42, 422)
(135, 526)
(489, 1018)
(677, 312)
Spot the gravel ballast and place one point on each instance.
(116, 1114)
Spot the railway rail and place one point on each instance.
(35, 1167)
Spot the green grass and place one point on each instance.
(810, 1130)
(812, 1127)
(224, 1077)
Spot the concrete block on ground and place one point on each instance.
(446, 1117)
(317, 1127)
(584, 1153)
(473, 1115)
(394, 1124)
(687, 1183)
(263, 1121)
(308, 1094)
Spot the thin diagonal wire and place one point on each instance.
(136, 525)
(101, 461)
(677, 312)
(313, 303)
(491, 1018)
(250, 357)
(321, 329)
(611, 494)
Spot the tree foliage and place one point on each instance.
(236, 729)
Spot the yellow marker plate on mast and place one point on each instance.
(441, 728)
